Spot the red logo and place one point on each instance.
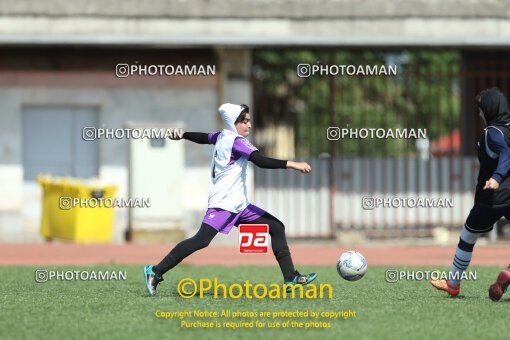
(253, 238)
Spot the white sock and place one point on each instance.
(463, 255)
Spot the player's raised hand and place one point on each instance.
(302, 167)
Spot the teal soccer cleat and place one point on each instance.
(300, 280)
(151, 280)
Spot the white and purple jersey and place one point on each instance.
(228, 171)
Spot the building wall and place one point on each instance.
(66, 77)
(115, 107)
(258, 23)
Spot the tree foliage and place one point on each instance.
(425, 94)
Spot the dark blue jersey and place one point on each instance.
(494, 158)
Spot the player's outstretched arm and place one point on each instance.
(272, 163)
(195, 137)
(299, 166)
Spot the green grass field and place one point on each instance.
(122, 309)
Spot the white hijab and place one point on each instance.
(229, 113)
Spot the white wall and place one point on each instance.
(20, 201)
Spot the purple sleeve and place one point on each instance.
(213, 137)
(243, 147)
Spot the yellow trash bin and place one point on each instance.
(73, 210)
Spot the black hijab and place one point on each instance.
(494, 106)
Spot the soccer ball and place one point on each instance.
(351, 265)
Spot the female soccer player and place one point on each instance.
(228, 200)
(492, 195)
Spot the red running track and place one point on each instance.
(71, 254)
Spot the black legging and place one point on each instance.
(206, 233)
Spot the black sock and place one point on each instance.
(287, 267)
(279, 245)
(165, 265)
(185, 248)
